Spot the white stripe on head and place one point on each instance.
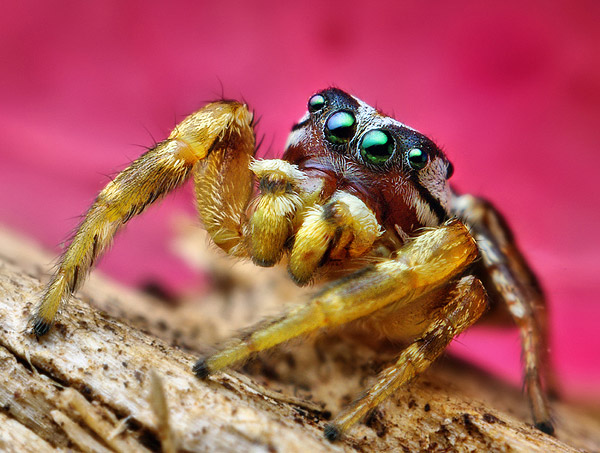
(425, 214)
(295, 138)
(377, 119)
(433, 178)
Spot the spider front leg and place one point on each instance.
(217, 141)
(467, 301)
(428, 262)
(342, 227)
(518, 287)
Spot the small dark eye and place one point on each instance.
(417, 158)
(316, 103)
(340, 127)
(377, 146)
(449, 170)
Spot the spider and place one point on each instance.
(359, 199)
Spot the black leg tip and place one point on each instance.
(40, 327)
(200, 369)
(332, 433)
(299, 280)
(263, 262)
(546, 427)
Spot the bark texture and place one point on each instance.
(115, 375)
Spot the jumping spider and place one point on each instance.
(353, 187)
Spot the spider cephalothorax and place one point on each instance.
(354, 186)
(398, 172)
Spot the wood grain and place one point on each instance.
(88, 385)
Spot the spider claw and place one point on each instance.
(40, 327)
(332, 433)
(200, 369)
(545, 426)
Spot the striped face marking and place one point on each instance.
(400, 173)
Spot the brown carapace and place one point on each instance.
(358, 198)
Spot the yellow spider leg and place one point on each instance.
(218, 125)
(467, 303)
(281, 198)
(343, 226)
(427, 262)
(224, 183)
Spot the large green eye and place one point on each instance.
(377, 146)
(340, 127)
(417, 158)
(316, 103)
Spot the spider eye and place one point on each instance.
(316, 103)
(377, 146)
(449, 170)
(417, 158)
(340, 127)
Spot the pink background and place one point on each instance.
(510, 91)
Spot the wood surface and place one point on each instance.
(115, 375)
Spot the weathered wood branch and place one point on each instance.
(108, 378)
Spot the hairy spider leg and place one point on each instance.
(518, 287)
(203, 139)
(426, 263)
(467, 301)
(275, 211)
(343, 227)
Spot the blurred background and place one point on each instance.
(511, 92)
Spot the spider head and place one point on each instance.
(400, 173)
